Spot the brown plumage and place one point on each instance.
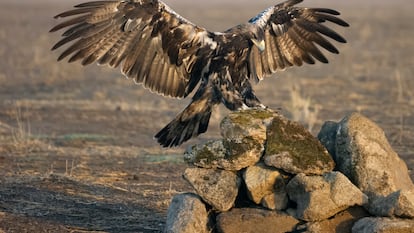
(170, 55)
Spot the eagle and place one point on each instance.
(171, 56)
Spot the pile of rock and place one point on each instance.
(269, 174)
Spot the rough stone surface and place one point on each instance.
(400, 204)
(327, 136)
(383, 225)
(247, 123)
(218, 188)
(244, 135)
(187, 214)
(320, 197)
(340, 223)
(294, 149)
(276, 201)
(252, 220)
(366, 157)
(266, 185)
(213, 154)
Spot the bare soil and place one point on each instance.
(76, 144)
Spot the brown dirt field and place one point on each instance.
(76, 147)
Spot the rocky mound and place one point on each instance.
(269, 174)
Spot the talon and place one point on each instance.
(244, 107)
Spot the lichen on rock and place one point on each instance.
(292, 148)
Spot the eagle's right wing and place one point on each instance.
(154, 45)
(291, 35)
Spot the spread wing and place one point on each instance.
(291, 37)
(154, 45)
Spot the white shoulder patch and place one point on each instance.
(262, 18)
(207, 40)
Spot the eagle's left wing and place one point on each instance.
(291, 35)
(154, 45)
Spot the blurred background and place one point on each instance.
(89, 123)
(371, 75)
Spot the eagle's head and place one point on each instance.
(257, 36)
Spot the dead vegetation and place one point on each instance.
(21, 140)
(76, 147)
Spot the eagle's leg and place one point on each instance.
(249, 98)
(239, 97)
(229, 95)
(233, 100)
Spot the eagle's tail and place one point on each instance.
(192, 121)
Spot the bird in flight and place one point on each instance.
(171, 56)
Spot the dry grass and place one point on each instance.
(302, 109)
(20, 139)
(76, 142)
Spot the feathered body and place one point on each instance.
(170, 55)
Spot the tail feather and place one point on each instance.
(188, 124)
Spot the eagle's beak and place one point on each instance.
(260, 44)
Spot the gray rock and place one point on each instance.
(294, 149)
(340, 223)
(186, 214)
(400, 204)
(383, 225)
(210, 154)
(213, 154)
(251, 220)
(218, 188)
(244, 135)
(278, 200)
(266, 185)
(247, 123)
(327, 136)
(320, 197)
(365, 156)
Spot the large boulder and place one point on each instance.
(364, 154)
(266, 186)
(244, 135)
(383, 225)
(320, 197)
(186, 214)
(294, 149)
(213, 154)
(340, 223)
(253, 220)
(399, 203)
(327, 136)
(219, 188)
(250, 124)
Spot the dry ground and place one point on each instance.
(76, 148)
